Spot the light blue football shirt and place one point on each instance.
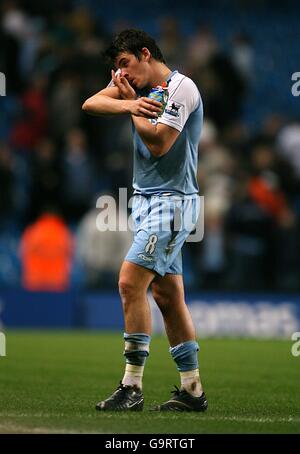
(176, 171)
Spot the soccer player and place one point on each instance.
(166, 139)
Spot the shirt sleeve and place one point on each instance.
(184, 98)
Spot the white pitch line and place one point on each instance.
(18, 429)
(158, 416)
(249, 419)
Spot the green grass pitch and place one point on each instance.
(50, 382)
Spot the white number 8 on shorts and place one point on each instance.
(150, 246)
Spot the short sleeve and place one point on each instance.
(184, 98)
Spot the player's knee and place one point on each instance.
(162, 300)
(126, 289)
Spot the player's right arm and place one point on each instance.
(109, 102)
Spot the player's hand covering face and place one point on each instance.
(141, 107)
(125, 89)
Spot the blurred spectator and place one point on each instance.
(264, 189)
(79, 178)
(215, 171)
(46, 181)
(7, 183)
(33, 121)
(9, 260)
(201, 47)
(46, 252)
(271, 126)
(82, 24)
(15, 179)
(288, 145)
(224, 106)
(119, 169)
(65, 104)
(276, 170)
(271, 177)
(14, 20)
(261, 227)
(171, 42)
(236, 137)
(9, 60)
(222, 88)
(249, 230)
(243, 55)
(20, 26)
(101, 252)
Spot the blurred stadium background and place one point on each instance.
(56, 161)
(57, 271)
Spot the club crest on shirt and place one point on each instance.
(173, 108)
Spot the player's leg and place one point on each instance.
(133, 285)
(134, 281)
(168, 292)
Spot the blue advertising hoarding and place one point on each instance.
(214, 313)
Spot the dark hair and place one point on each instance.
(132, 41)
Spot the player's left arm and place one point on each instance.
(183, 100)
(158, 138)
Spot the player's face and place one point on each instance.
(135, 70)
